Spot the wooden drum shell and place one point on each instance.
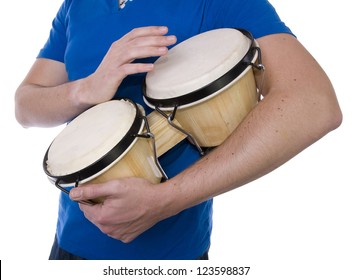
(211, 121)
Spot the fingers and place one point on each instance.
(126, 211)
(144, 42)
(145, 31)
(101, 216)
(119, 62)
(125, 235)
(134, 68)
(152, 41)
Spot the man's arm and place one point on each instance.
(46, 98)
(299, 108)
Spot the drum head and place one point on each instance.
(92, 141)
(198, 67)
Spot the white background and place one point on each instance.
(292, 224)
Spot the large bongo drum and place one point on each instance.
(206, 83)
(110, 140)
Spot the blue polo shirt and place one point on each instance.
(81, 34)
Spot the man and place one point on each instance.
(98, 51)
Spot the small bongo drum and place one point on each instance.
(206, 83)
(108, 141)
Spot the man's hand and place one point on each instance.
(118, 63)
(130, 206)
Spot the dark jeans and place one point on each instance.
(60, 254)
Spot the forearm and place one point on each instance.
(258, 146)
(47, 106)
(46, 98)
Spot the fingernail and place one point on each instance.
(162, 50)
(171, 38)
(163, 28)
(75, 193)
(149, 67)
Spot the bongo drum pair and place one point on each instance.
(201, 90)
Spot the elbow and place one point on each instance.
(20, 110)
(20, 119)
(331, 114)
(336, 119)
(335, 115)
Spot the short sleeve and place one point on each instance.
(257, 16)
(56, 44)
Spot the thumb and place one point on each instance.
(87, 192)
